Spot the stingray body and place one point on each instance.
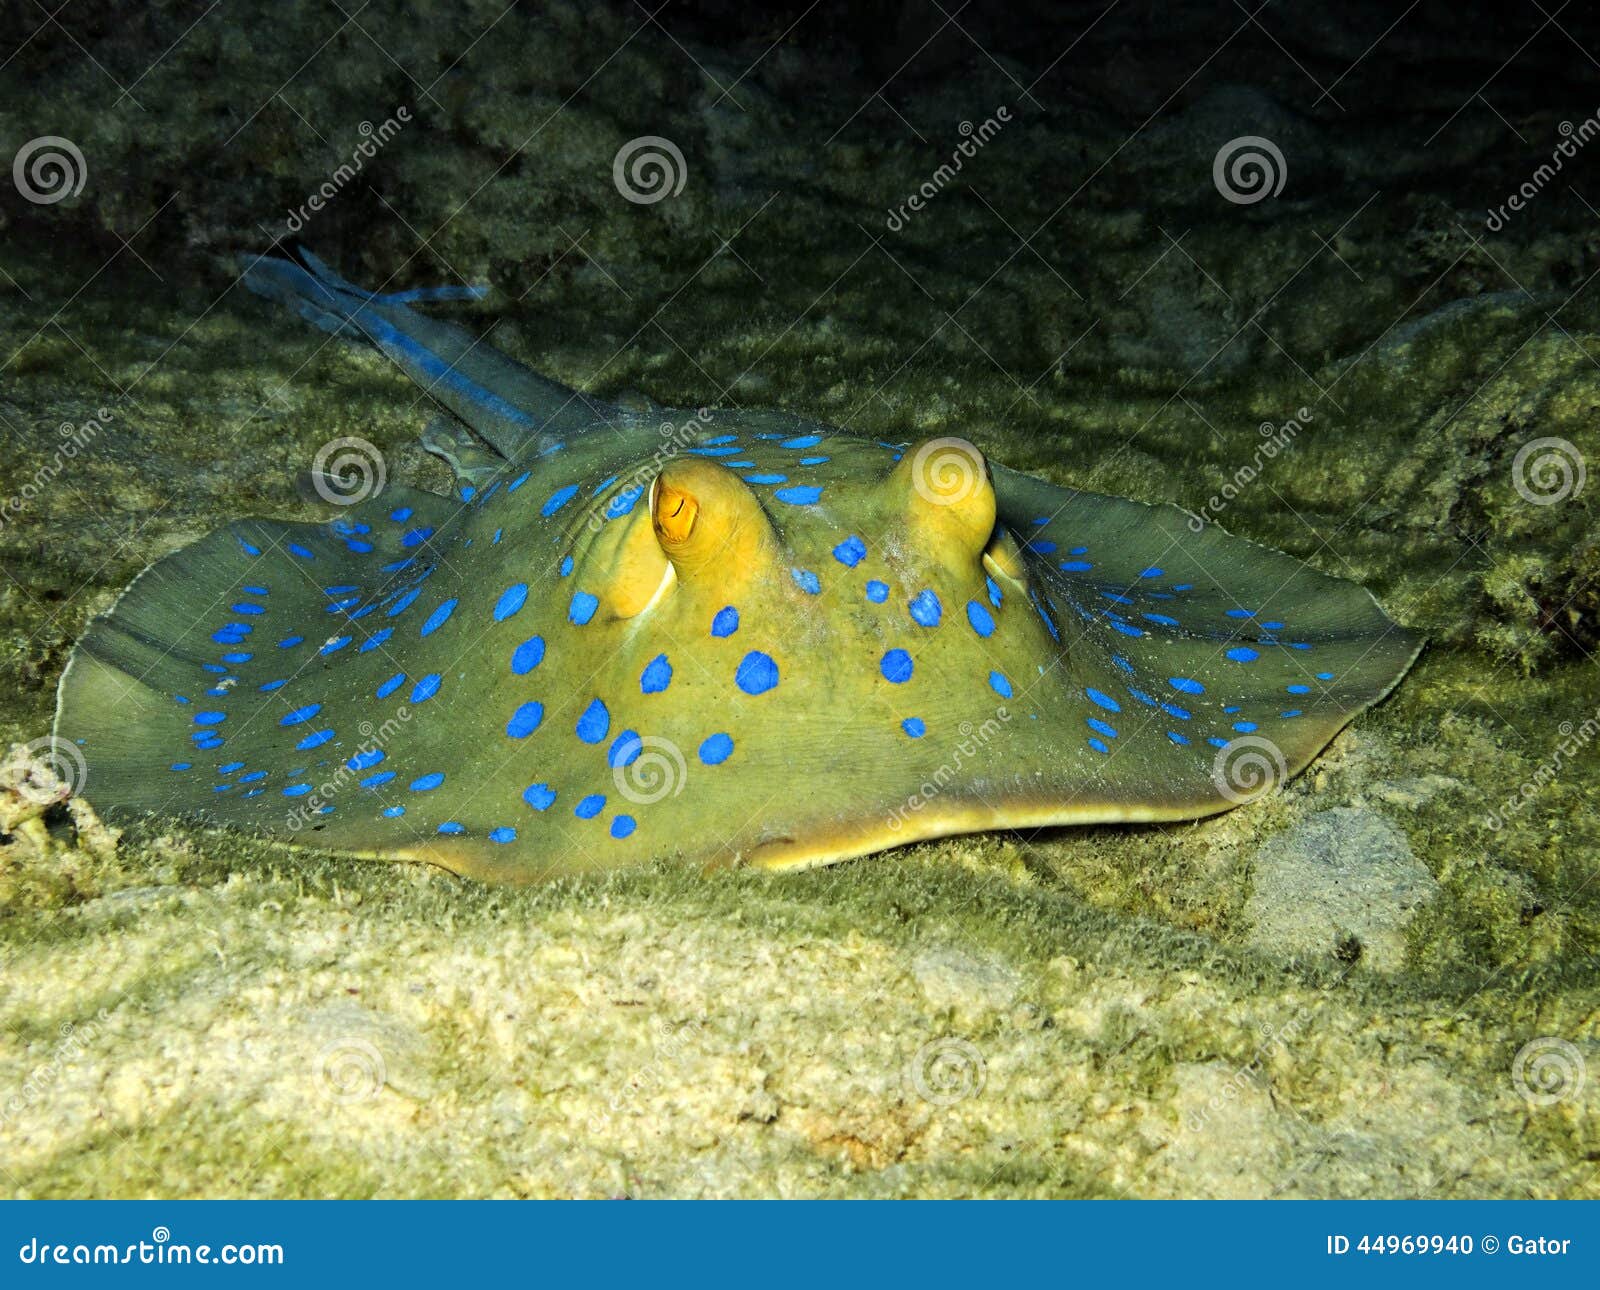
(714, 636)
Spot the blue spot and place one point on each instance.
(1128, 629)
(896, 666)
(1076, 566)
(1244, 727)
(595, 723)
(999, 684)
(269, 686)
(812, 461)
(721, 439)
(851, 552)
(1101, 727)
(625, 749)
(1172, 710)
(582, 608)
(623, 825)
(558, 499)
(439, 617)
(657, 675)
(726, 622)
(230, 768)
(289, 642)
(404, 602)
(802, 441)
(765, 479)
(757, 673)
(1118, 598)
(1042, 548)
(427, 783)
(401, 515)
(1099, 745)
(1324, 676)
(503, 834)
(376, 639)
(525, 720)
(1151, 572)
(877, 592)
(518, 482)
(1177, 738)
(566, 566)
(366, 760)
(539, 796)
(452, 826)
(1215, 742)
(590, 807)
(426, 688)
(252, 777)
(511, 600)
(249, 550)
(624, 501)
(1293, 712)
(183, 765)
(926, 609)
(1242, 654)
(1298, 689)
(245, 607)
(806, 581)
(392, 811)
(709, 451)
(1160, 619)
(416, 537)
(335, 645)
(377, 780)
(298, 715)
(1102, 700)
(1241, 613)
(1184, 685)
(716, 750)
(1271, 627)
(981, 619)
(315, 741)
(297, 790)
(994, 591)
(391, 685)
(799, 495)
(304, 553)
(916, 727)
(216, 718)
(527, 655)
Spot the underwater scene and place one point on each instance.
(815, 600)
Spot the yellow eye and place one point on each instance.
(674, 513)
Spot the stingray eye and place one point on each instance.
(707, 519)
(674, 511)
(948, 497)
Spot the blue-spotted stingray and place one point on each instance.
(712, 637)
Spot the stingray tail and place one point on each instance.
(512, 407)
